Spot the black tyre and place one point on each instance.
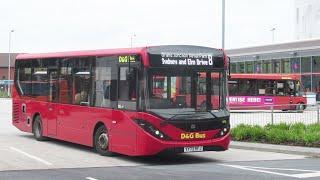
(101, 141)
(37, 129)
(301, 107)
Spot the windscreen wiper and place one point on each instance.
(212, 114)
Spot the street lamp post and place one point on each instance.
(131, 39)
(9, 63)
(223, 22)
(272, 30)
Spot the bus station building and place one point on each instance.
(299, 57)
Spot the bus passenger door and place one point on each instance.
(52, 98)
(123, 134)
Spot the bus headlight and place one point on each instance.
(223, 131)
(145, 125)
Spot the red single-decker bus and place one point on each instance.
(109, 99)
(266, 91)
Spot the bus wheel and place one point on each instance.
(101, 141)
(300, 107)
(37, 129)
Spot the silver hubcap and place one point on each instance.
(103, 141)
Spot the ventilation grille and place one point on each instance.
(15, 114)
(198, 125)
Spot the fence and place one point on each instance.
(264, 115)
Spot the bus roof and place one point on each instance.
(143, 51)
(100, 52)
(266, 76)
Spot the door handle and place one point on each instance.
(50, 109)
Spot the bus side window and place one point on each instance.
(280, 88)
(81, 81)
(65, 82)
(265, 87)
(233, 87)
(245, 87)
(123, 84)
(290, 88)
(102, 81)
(270, 88)
(40, 78)
(24, 78)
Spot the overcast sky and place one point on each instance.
(61, 25)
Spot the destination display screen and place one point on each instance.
(186, 56)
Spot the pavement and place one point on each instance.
(307, 151)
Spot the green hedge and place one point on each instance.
(288, 134)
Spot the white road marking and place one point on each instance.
(307, 175)
(256, 170)
(283, 169)
(311, 173)
(91, 178)
(31, 156)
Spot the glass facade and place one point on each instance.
(249, 67)
(285, 65)
(241, 67)
(295, 65)
(266, 66)
(307, 66)
(276, 66)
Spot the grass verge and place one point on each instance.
(286, 134)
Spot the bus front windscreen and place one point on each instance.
(185, 91)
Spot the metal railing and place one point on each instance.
(274, 114)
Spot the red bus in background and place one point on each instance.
(252, 91)
(110, 99)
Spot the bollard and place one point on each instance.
(271, 114)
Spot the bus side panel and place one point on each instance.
(299, 99)
(72, 123)
(41, 108)
(25, 109)
(123, 132)
(76, 124)
(283, 102)
(19, 118)
(98, 115)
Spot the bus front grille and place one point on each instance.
(195, 126)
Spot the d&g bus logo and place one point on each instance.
(192, 136)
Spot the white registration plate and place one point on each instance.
(193, 149)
